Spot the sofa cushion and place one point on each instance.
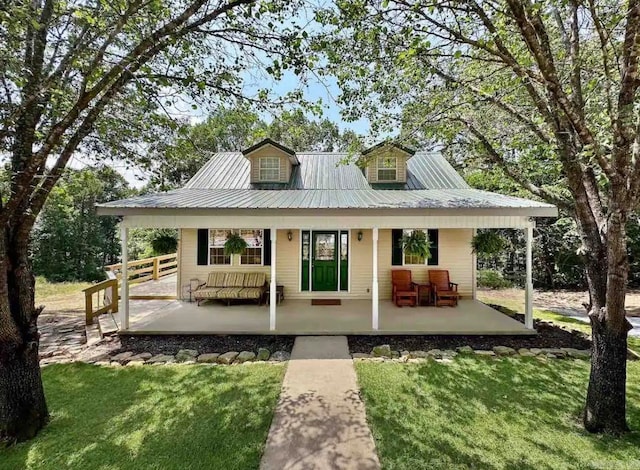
(216, 279)
(250, 293)
(207, 293)
(233, 280)
(254, 279)
(229, 293)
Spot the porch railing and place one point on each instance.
(147, 269)
(103, 297)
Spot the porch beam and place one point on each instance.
(272, 284)
(374, 284)
(124, 312)
(528, 293)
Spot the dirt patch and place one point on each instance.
(171, 344)
(549, 336)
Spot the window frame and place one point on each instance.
(261, 168)
(239, 231)
(380, 168)
(230, 257)
(404, 255)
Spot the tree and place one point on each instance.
(97, 78)
(70, 242)
(547, 91)
(174, 160)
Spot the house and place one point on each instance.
(326, 226)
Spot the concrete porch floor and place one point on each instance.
(299, 317)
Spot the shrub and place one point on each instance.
(492, 279)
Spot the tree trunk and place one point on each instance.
(605, 409)
(23, 409)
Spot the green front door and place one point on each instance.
(324, 261)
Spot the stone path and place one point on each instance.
(320, 420)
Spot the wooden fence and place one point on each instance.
(103, 297)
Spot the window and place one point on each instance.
(253, 253)
(217, 238)
(387, 168)
(419, 260)
(269, 169)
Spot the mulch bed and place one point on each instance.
(549, 336)
(171, 344)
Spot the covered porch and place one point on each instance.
(299, 317)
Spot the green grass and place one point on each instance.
(482, 413)
(152, 417)
(60, 296)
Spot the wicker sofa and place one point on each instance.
(232, 286)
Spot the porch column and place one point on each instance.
(528, 286)
(272, 285)
(374, 284)
(124, 312)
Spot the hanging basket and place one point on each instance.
(235, 244)
(417, 243)
(487, 243)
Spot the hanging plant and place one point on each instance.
(235, 244)
(487, 243)
(417, 243)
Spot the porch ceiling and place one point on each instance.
(299, 317)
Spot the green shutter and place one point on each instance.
(266, 247)
(203, 247)
(396, 248)
(433, 238)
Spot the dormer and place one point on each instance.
(271, 162)
(386, 162)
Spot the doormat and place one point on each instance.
(326, 302)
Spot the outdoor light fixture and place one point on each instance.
(360, 235)
(289, 235)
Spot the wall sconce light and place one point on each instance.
(289, 235)
(360, 235)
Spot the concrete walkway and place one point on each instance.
(320, 421)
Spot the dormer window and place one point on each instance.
(269, 168)
(271, 162)
(386, 164)
(387, 168)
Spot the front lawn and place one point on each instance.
(511, 413)
(152, 417)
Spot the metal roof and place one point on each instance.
(231, 170)
(326, 199)
(327, 181)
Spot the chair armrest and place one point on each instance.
(452, 284)
(414, 286)
(200, 286)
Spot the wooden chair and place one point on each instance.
(445, 292)
(405, 292)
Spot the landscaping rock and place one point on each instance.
(137, 362)
(245, 356)
(483, 352)
(383, 350)
(395, 354)
(263, 354)
(577, 353)
(186, 355)
(437, 353)
(227, 358)
(524, 352)
(449, 354)
(504, 351)
(536, 351)
(464, 350)
(557, 352)
(208, 358)
(141, 357)
(418, 354)
(280, 356)
(161, 359)
(123, 356)
(361, 356)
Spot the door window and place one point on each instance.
(325, 247)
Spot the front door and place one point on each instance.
(324, 261)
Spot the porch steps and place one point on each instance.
(107, 324)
